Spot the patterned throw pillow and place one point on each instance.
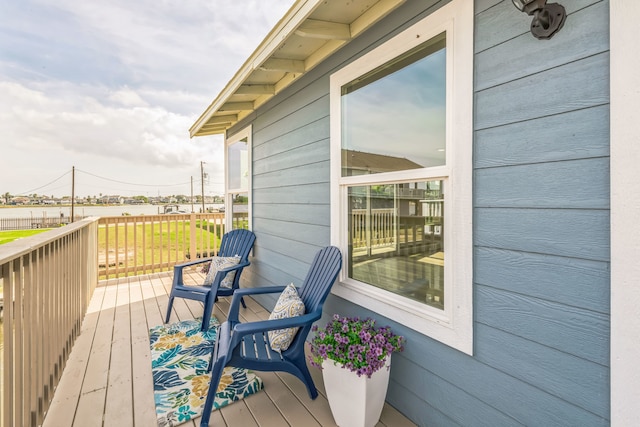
(219, 263)
(289, 305)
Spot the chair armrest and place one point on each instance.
(190, 263)
(234, 308)
(222, 273)
(241, 330)
(271, 325)
(235, 267)
(261, 290)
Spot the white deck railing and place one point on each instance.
(382, 230)
(133, 245)
(373, 228)
(47, 281)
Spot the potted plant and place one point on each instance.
(355, 358)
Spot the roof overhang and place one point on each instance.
(307, 34)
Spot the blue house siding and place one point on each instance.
(290, 161)
(541, 220)
(541, 210)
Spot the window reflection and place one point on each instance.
(238, 165)
(240, 211)
(393, 118)
(396, 238)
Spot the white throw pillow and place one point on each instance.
(220, 263)
(289, 305)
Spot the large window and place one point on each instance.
(238, 182)
(401, 176)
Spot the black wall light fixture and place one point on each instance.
(548, 19)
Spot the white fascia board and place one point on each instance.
(297, 14)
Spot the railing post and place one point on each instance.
(192, 235)
(7, 368)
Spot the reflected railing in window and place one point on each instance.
(240, 211)
(396, 239)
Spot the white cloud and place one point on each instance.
(127, 98)
(113, 87)
(44, 132)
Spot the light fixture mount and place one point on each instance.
(548, 19)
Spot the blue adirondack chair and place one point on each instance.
(245, 345)
(234, 243)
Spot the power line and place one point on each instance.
(113, 180)
(131, 183)
(42, 186)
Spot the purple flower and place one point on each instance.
(357, 344)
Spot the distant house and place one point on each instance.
(112, 200)
(132, 201)
(492, 220)
(20, 200)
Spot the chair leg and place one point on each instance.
(208, 309)
(216, 374)
(242, 301)
(306, 379)
(169, 307)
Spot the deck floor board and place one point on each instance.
(108, 382)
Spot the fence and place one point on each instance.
(46, 281)
(35, 222)
(133, 245)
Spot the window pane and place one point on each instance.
(239, 211)
(396, 239)
(393, 118)
(238, 165)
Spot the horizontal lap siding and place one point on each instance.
(570, 184)
(541, 221)
(290, 188)
(545, 139)
(541, 212)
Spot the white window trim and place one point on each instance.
(625, 203)
(452, 326)
(244, 133)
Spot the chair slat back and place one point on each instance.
(323, 272)
(237, 242)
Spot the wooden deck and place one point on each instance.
(107, 380)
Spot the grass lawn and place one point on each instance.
(146, 245)
(163, 237)
(158, 244)
(10, 236)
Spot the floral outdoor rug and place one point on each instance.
(180, 355)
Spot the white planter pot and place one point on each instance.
(355, 401)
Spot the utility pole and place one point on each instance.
(73, 190)
(202, 182)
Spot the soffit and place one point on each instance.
(308, 33)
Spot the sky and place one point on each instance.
(111, 89)
(412, 99)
